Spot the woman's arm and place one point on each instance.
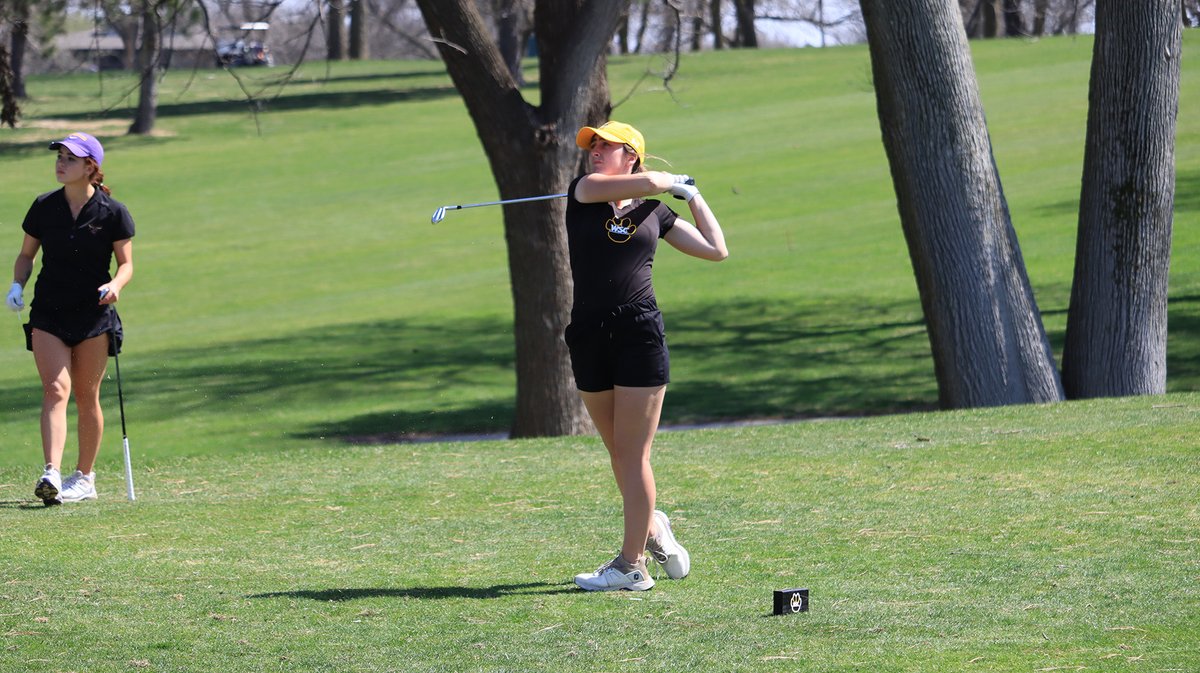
(600, 187)
(23, 266)
(703, 239)
(123, 251)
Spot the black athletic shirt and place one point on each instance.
(76, 253)
(612, 256)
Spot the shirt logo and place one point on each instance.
(620, 231)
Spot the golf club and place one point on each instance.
(440, 213)
(121, 402)
(124, 435)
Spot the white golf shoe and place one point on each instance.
(79, 486)
(49, 487)
(666, 550)
(615, 575)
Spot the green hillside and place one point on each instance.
(294, 313)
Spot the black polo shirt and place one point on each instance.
(612, 256)
(76, 252)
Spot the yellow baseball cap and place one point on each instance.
(613, 132)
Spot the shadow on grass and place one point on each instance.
(1187, 192)
(1187, 197)
(421, 378)
(425, 593)
(24, 504)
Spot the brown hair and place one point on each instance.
(97, 176)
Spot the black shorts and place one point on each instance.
(626, 347)
(74, 329)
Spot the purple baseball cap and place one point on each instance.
(81, 145)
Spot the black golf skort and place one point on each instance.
(626, 346)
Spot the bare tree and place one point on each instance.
(413, 37)
(532, 151)
(1117, 324)
(989, 346)
(150, 66)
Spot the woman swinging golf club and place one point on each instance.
(616, 338)
(73, 327)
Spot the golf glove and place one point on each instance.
(14, 300)
(684, 188)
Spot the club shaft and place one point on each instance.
(500, 203)
(124, 434)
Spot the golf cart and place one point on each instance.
(248, 48)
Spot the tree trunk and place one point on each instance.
(512, 30)
(623, 32)
(642, 26)
(1013, 25)
(747, 37)
(991, 21)
(10, 111)
(973, 20)
(148, 62)
(360, 50)
(1039, 17)
(19, 42)
(989, 346)
(1117, 325)
(335, 49)
(715, 19)
(532, 151)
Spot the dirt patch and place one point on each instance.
(96, 127)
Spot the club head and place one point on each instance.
(438, 215)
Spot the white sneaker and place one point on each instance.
(666, 550)
(49, 487)
(616, 574)
(79, 486)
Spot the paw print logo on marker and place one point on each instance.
(620, 231)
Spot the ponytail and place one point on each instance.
(98, 177)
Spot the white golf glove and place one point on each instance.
(14, 300)
(682, 189)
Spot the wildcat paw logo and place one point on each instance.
(620, 231)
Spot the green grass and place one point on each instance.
(294, 313)
(1015, 539)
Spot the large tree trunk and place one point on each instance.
(989, 346)
(148, 63)
(532, 151)
(1117, 326)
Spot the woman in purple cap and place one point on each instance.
(616, 338)
(73, 326)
